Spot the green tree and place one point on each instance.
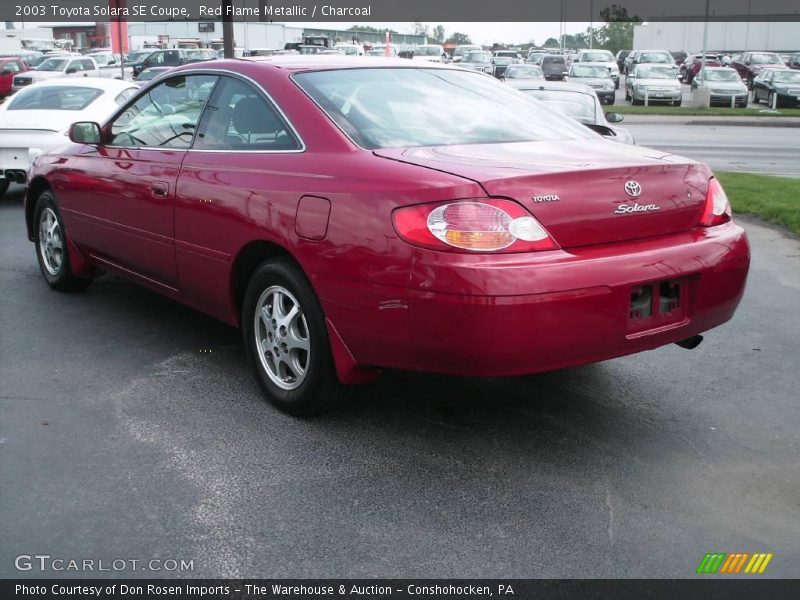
(617, 33)
(438, 34)
(551, 43)
(459, 38)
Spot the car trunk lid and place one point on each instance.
(577, 189)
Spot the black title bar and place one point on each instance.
(441, 11)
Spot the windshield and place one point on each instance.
(503, 60)
(656, 57)
(722, 76)
(524, 72)
(399, 107)
(428, 51)
(478, 57)
(765, 59)
(597, 57)
(461, 50)
(138, 55)
(53, 64)
(573, 104)
(536, 59)
(584, 71)
(655, 73)
(786, 77)
(54, 98)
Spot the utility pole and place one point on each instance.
(227, 28)
(705, 38)
(591, 24)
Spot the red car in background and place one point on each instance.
(357, 214)
(9, 66)
(751, 64)
(694, 62)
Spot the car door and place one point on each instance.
(240, 175)
(90, 68)
(74, 68)
(121, 194)
(760, 87)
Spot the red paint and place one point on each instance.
(7, 79)
(393, 304)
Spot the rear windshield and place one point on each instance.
(553, 59)
(398, 107)
(597, 57)
(54, 98)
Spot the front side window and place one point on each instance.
(166, 116)
(237, 117)
(397, 107)
(88, 65)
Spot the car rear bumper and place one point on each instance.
(515, 314)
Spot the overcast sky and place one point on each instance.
(480, 33)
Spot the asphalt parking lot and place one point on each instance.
(131, 427)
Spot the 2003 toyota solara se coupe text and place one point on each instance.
(351, 215)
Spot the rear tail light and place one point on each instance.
(493, 225)
(717, 209)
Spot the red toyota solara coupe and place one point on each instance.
(351, 215)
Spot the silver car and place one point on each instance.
(653, 83)
(597, 77)
(577, 101)
(601, 56)
(722, 84)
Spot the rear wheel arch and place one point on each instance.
(35, 188)
(247, 260)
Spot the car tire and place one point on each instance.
(4, 187)
(610, 101)
(771, 99)
(616, 84)
(636, 102)
(52, 251)
(291, 355)
(627, 95)
(755, 97)
(677, 102)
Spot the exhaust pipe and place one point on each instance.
(16, 176)
(690, 343)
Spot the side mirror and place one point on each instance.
(85, 132)
(613, 117)
(71, 70)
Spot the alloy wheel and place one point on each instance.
(282, 337)
(51, 242)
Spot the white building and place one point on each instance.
(245, 35)
(733, 36)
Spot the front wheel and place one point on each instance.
(4, 186)
(287, 340)
(51, 247)
(755, 97)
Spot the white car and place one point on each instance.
(37, 118)
(57, 66)
(601, 56)
(350, 49)
(109, 65)
(430, 53)
(460, 51)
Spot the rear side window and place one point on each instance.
(54, 98)
(88, 65)
(239, 118)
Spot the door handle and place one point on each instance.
(160, 189)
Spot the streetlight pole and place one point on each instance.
(705, 38)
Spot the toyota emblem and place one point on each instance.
(633, 189)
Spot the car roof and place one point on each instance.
(306, 62)
(559, 86)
